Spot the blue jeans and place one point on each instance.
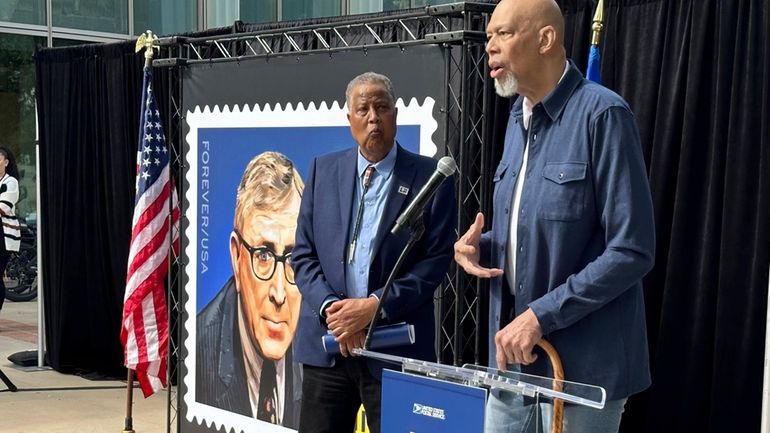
(506, 413)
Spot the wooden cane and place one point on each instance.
(557, 421)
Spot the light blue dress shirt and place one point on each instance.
(357, 275)
(357, 272)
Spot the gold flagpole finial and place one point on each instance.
(598, 23)
(147, 41)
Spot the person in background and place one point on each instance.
(573, 229)
(9, 195)
(345, 252)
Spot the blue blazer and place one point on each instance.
(322, 236)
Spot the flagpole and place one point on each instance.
(765, 419)
(593, 69)
(598, 23)
(128, 425)
(146, 41)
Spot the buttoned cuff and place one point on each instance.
(328, 301)
(545, 318)
(382, 310)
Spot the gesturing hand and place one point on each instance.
(350, 315)
(467, 252)
(515, 342)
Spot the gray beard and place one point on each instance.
(506, 85)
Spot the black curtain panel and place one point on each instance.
(697, 75)
(88, 99)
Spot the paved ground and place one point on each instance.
(51, 402)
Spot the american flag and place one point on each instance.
(144, 331)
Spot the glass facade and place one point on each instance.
(23, 11)
(420, 3)
(221, 13)
(303, 9)
(109, 16)
(258, 11)
(17, 110)
(165, 17)
(368, 6)
(390, 5)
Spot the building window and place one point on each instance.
(23, 11)
(303, 9)
(110, 16)
(165, 17)
(259, 11)
(17, 110)
(422, 3)
(368, 6)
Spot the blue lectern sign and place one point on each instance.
(419, 404)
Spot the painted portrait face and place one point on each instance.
(372, 116)
(264, 277)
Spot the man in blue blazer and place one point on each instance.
(344, 252)
(572, 234)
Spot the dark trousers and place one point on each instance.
(331, 397)
(4, 257)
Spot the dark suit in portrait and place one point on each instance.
(220, 370)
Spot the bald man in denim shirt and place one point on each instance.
(573, 233)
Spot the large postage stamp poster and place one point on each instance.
(231, 151)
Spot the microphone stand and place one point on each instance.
(417, 228)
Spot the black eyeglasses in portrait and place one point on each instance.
(264, 261)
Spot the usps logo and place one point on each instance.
(432, 412)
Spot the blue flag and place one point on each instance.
(593, 71)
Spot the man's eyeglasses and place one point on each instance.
(264, 261)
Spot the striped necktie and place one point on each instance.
(367, 179)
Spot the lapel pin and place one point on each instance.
(403, 190)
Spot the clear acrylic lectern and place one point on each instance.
(427, 397)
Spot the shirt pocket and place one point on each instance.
(496, 180)
(500, 172)
(563, 191)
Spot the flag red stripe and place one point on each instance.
(153, 209)
(155, 243)
(155, 278)
(161, 320)
(139, 333)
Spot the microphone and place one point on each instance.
(445, 168)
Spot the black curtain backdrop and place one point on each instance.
(697, 75)
(695, 72)
(88, 109)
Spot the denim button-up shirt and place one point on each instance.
(585, 234)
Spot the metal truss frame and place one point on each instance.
(443, 23)
(459, 28)
(174, 133)
(339, 36)
(462, 303)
